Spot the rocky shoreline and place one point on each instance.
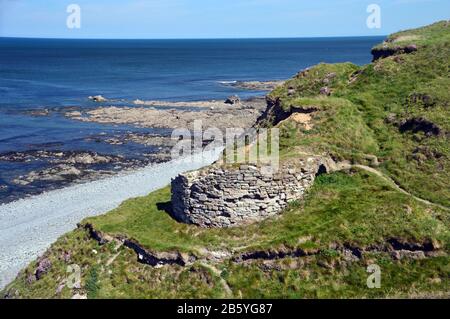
(222, 115)
(48, 167)
(57, 169)
(40, 220)
(255, 85)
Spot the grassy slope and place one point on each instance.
(355, 119)
(427, 36)
(354, 208)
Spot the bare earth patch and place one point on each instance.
(301, 118)
(405, 38)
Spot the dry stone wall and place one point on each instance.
(226, 197)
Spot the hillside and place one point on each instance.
(387, 121)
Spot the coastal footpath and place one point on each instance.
(385, 204)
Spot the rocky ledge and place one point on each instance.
(67, 166)
(212, 114)
(255, 85)
(387, 51)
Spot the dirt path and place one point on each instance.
(398, 187)
(345, 166)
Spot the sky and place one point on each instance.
(156, 19)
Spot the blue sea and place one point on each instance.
(37, 74)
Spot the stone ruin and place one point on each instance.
(225, 197)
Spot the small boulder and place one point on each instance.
(391, 118)
(329, 77)
(68, 172)
(60, 288)
(43, 267)
(325, 91)
(31, 278)
(66, 256)
(233, 100)
(97, 98)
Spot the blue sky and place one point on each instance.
(214, 18)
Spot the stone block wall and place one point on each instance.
(226, 197)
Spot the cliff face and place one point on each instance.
(410, 41)
(386, 51)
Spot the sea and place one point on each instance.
(40, 79)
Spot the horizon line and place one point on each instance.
(218, 38)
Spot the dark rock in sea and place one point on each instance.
(233, 100)
(59, 157)
(256, 85)
(45, 170)
(98, 98)
(41, 112)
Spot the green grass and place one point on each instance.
(357, 208)
(320, 278)
(422, 37)
(339, 131)
(309, 83)
(92, 284)
(353, 122)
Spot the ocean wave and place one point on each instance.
(228, 82)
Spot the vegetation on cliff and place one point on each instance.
(391, 115)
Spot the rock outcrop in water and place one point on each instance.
(234, 99)
(98, 98)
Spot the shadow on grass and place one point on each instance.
(167, 207)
